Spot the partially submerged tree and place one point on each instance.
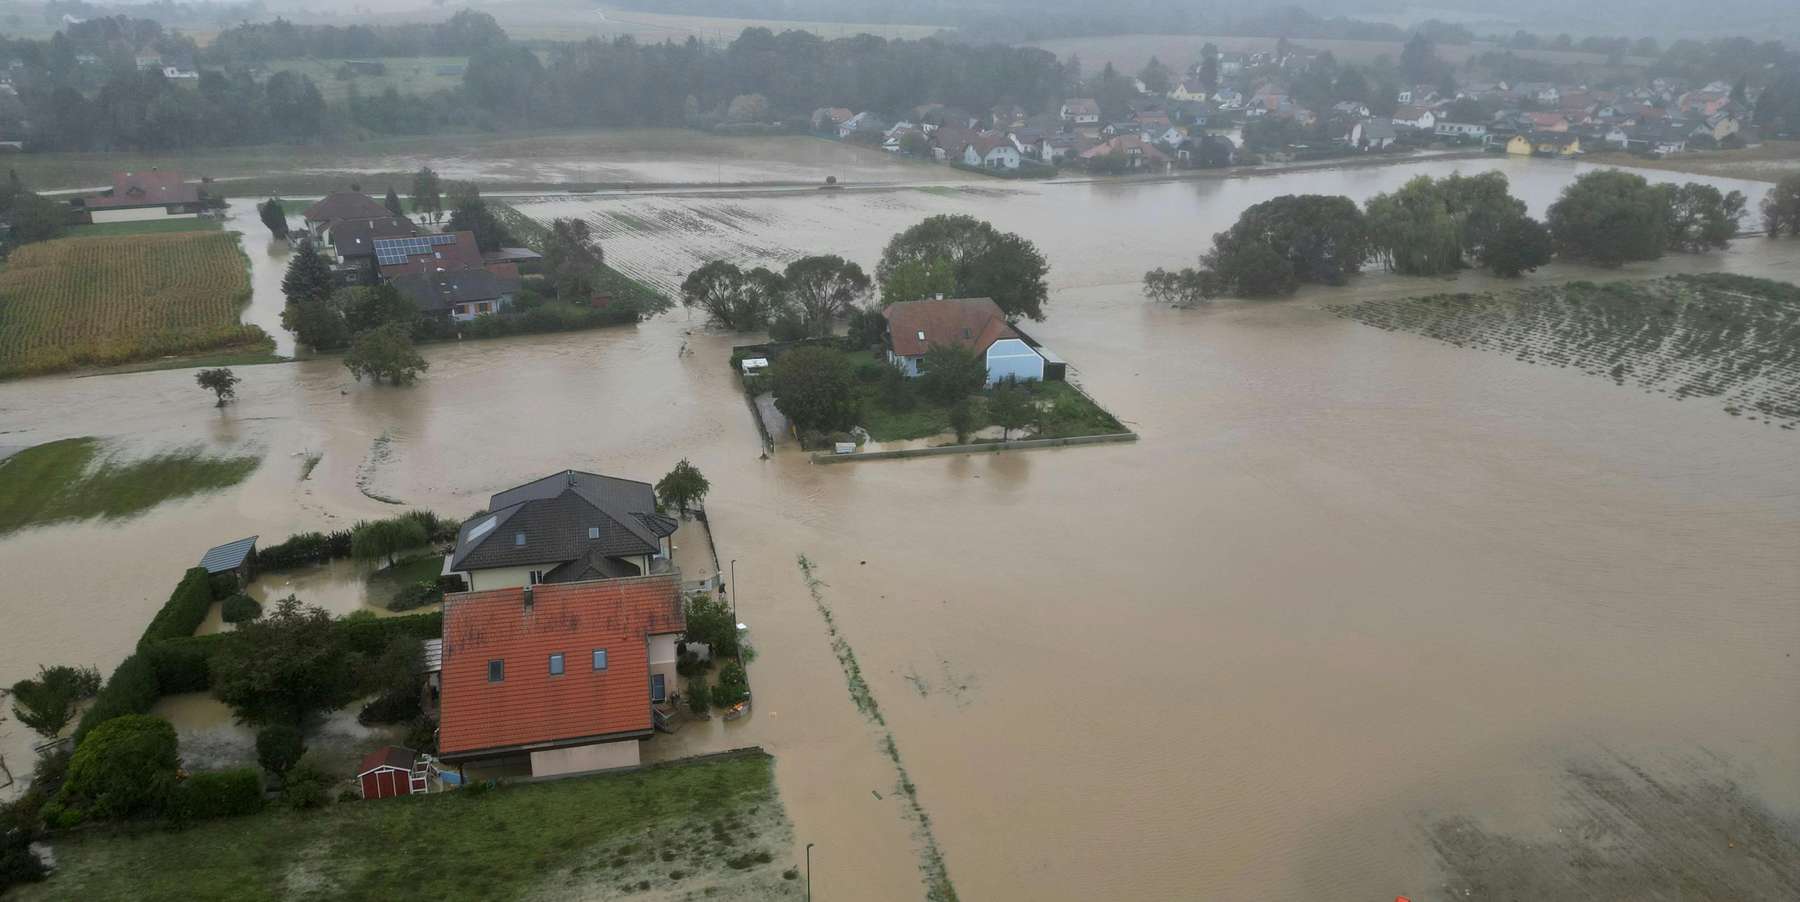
(731, 297)
(682, 487)
(814, 389)
(220, 381)
(985, 262)
(823, 288)
(46, 703)
(385, 354)
(273, 216)
(1609, 217)
(1781, 207)
(1183, 288)
(374, 540)
(426, 192)
(1700, 217)
(285, 667)
(572, 259)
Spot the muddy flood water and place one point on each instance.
(1362, 614)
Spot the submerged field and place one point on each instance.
(708, 829)
(78, 479)
(1733, 338)
(110, 300)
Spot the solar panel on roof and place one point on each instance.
(389, 251)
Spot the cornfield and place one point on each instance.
(110, 300)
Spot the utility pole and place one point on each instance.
(809, 872)
(734, 588)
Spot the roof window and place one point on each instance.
(593, 532)
(921, 334)
(518, 538)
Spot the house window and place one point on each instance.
(483, 307)
(497, 671)
(599, 659)
(593, 532)
(518, 538)
(658, 688)
(534, 577)
(556, 664)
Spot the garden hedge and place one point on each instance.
(225, 793)
(185, 610)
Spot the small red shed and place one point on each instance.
(389, 772)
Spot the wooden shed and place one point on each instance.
(237, 558)
(388, 772)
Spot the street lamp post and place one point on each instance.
(734, 588)
(809, 872)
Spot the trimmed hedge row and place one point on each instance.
(304, 548)
(225, 793)
(185, 610)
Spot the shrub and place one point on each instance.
(417, 595)
(18, 864)
(223, 585)
(305, 788)
(734, 686)
(226, 793)
(699, 695)
(182, 665)
(304, 548)
(124, 768)
(240, 608)
(131, 689)
(279, 747)
(709, 622)
(185, 610)
(421, 735)
(47, 704)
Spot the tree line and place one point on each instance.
(1439, 226)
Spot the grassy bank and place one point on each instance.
(385, 583)
(1732, 338)
(74, 479)
(708, 828)
(105, 301)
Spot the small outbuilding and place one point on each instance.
(388, 772)
(237, 557)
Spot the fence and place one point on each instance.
(826, 457)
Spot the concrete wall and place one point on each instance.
(662, 660)
(1012, 357)
(139, 214)
(826, 457)
(584, 758)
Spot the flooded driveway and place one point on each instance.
(1349, 585)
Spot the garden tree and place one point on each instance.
(572, 259)
(731, 297)
(318, 323)
(385, 353)
(682, 487)
(374, 540)
(394, 678)
(822, 288)
(221, 382)
(962, 419)
(1156, 77)
(1272, 133)
(919, 279)
(427, 196)
(284, 667)
(472, 214)
(1209, 67)
(37, 218)
(865, 327)
(915, 144)
(279, 746)
(308, 276)
(747, 108)
(1113, 92)
(788, 324)
(1609, 217)
(950, 372)
(814, 389)
(1315, 238)
(1412, 230)
(1516, 246)
(897, 392)
(986, 262)
(47, 702)
(369, 307)
(1700, 217)
(709, 623)
(1781, 207)
(273, 216)
(393, 204)
(1010, 408)
(125, 767)
(1184, 288)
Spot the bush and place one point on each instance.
(131, 689)
(240, 608)
(47, 703)
(124, 768)
(417, 595)
(709, 623)
(223, 584)
(226, 793)
(18, 864)
(734, 686)
(279, 747)
(185, 610)
(421, 735)
(699, 695)
(182, 665)
(305, 788)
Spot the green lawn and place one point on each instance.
(1063, 411)
(146, 227)
(408, 571)
(710, 828)
(75, 479)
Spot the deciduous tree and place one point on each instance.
(1010, 408)
(823, 288)
(427, 193)
(393, 204)
(386, 354)
(682, 487)
(273, 216)
(1609, 217)
(731, 297)
(220, 381)
(46, 703)
(1781, 207)
(572, 259)
(814, 389)
(985, 261)
(948, 373)
(284, 667)
(1183, 288)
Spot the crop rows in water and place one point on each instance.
(87, 301)
(1720, 336)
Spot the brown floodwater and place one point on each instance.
(1350, 582)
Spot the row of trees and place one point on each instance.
(803, 300)
(1438, 226)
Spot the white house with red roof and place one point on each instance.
(915, 327)
(146, 194)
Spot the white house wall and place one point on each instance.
(137, 214)
(1012, 357)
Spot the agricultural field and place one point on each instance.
(1732, 338)
(145, 227)
(110, 300)
(406, 74)
(1770, 161)
(1129, 52)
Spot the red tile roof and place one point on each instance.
(345, 205)
(971, 322)
(155, 187)
(530, 707)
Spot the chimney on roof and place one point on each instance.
(528, 599)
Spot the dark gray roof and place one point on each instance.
(345, 205)
(511, 255)
(436, 292)
(228, 556)
(570, 516)
(356, 237)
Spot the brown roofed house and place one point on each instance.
(339, 206)
(915, 327)
(148, 194)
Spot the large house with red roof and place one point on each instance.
(915, 327)
(563, 677)
(147, 194)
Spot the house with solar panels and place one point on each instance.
(353, 242)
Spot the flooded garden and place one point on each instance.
(1344, 623)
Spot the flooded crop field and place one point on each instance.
(1362, 614)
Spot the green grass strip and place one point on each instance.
(74, 479)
